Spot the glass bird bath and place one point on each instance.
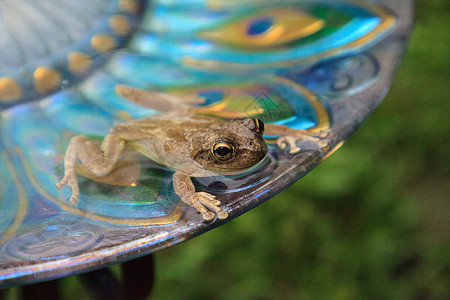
(313, 65)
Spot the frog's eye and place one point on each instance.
(259, 126)
(222, 150)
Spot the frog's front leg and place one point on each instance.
(289, 136)
(185, 189)
(98, 159)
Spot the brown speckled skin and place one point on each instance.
(182, 143)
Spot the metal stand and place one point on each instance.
(137, 283)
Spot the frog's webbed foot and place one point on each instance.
(203, 200)
(290, 137)
(291, 141)
(70, 179)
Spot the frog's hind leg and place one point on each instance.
(97, 159)
(158, 101)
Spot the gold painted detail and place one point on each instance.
(336, 148)
(288, 25)
(230, 106)
(321, 112)
(78, 62)
(103, 42)
(46, 79)
(130, 6)
(22, 205)
(220, 4)
(125, 115)
(388, 22)
(119, 24)
(9, 89)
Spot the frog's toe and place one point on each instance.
(294, 149)
(71, 181)
(324, 144)
(207, 200)
(75, 194)
(324, 133)
(283, 141)
(215, 202)
(61, 183)
(222, 215)
(208, 216)
(73, 200)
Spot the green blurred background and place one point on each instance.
(371, 222)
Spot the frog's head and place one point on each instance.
(231, 147)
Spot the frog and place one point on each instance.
(192, 145)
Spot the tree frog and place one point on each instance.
(192, 145)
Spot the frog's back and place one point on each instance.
(165, 138)
(159, 125)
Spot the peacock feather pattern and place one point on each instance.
(301, 63)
